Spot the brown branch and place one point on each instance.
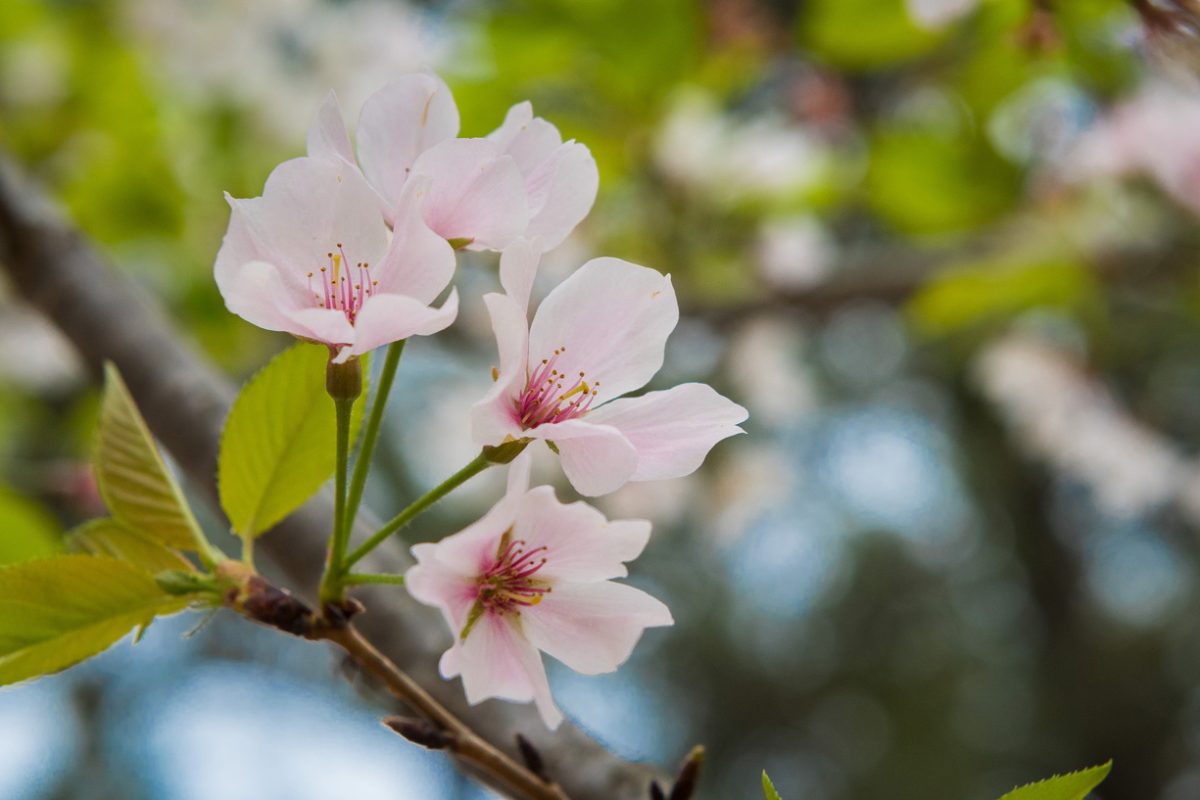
(185, 400)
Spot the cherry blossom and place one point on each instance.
(535, 574)
(407, 130)
(313, 257)
(598, 335)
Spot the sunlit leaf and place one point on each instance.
(769, 788)
(863, 34)
(107, 537)
(55, 612)
(26, 530)
(279, 440)
(134, 481)
(1072, 786)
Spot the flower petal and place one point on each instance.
(387, 318)
(597, 459)
(476, 193)
(397, 124)
(672, 430)
(613, 318)
(592, 627)
(432, 582)
(581, 545)
(327, 138)
(493, 418)
(418, 263)
(561, 191)
(258, 294)
(518, 268)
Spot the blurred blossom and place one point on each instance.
(765, 363)
(1073, 422)
(1040, 121)
(794, 252)
(1150, 134)
(939, 13)
(275, 56)
(34, 355)
(733, 160)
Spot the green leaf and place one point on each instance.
(26, 530)
(137, 488)
(1072, 786)
(769, 788)
(108, 537)
(56, 612)
(279, 441)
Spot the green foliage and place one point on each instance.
(55, 612)
(279, 441)
(963, 299)
(26, 530)
(137, 488)
(108, 537)
(769, 788)
(863, 34)
(1072, 786)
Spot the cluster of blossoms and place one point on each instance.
(353, 251)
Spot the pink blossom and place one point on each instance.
(407, 130)
(535, 574)
(313, 257)
(599, 334)
(561, 178)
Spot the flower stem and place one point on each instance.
(477, 465)
(361, 578)
(331, 588)
(362, 462)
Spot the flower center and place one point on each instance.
(551, 396)
(343, 287)
(509, 583)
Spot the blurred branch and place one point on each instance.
(185, 400)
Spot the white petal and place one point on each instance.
(327, 138)
(614, 318)
(672, 430)
(387, 318)
(592, 627)
(493, 418)
(561, 191)
(581, 545)
(596, 459)
(433, 583)
(518, 268)
(518, 475)
(397, 124)
(476, 193)
(419, 263)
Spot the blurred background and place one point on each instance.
(943, 250)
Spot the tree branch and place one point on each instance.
(185, 401)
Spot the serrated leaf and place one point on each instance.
(769, 788)
(55, 612)
(136, 486)
(1072, 786)
(26, 530)
(279, 440)
(108, 537)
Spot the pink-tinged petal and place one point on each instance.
(672, 430)
(473, 549)
(258, 294)
(528, 139)
(494, 417)
(327, 138)
(387, 318)
(308, 206)
(561, 192)
(397, 124)
(519, 472)
(518, 268)
(323, 325)
(581, 545)
(431, 582)
(597, 459)
(613, 318)
(476, 193)
(592, 627)
(419, 263)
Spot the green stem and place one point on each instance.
(478, 465)
(362, 462)
(331, 584)
(360, 578)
